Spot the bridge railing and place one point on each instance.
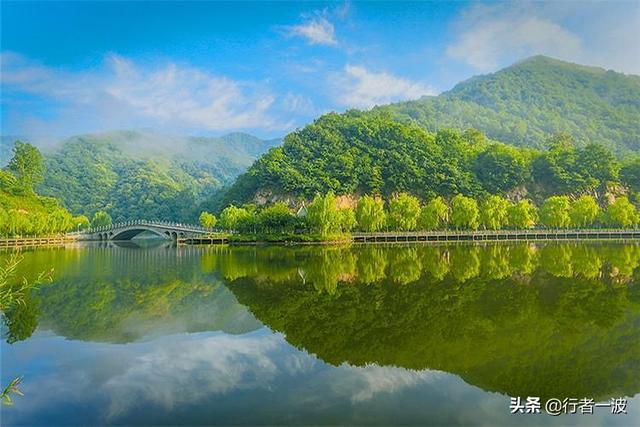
(141, 222)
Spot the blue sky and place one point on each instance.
(208, 68)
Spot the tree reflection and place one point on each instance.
(524, 319)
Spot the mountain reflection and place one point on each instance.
(548, 320)
(531, 320)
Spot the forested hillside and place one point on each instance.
(360, 153)
(22, 211)
(133, 174)
(525, 103)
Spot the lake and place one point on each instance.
(371, 334)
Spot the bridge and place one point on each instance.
(130, 229)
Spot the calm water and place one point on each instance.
(325, 335)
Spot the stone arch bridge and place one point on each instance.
(130, 229)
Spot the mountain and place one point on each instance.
(142, 174)
(537, 128)
(526, 102)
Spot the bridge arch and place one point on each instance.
(130, 233)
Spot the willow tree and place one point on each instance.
(434, 215)
(493, 212)
(370, 214)
(404, 210)
(464, 213)
(584, 211)
(554, 212)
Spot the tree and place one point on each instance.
(231, 215)
(80, 222)
(522, 215)
(404, 210)
(554, 212)
(276, 218)
(347, 219)
(27, 165)
(434, 215)
(493, 212)
(101, 219)
(621, 213)
(584, 211)
(630, 173)
(208, 220)
(323, 215)
(370, 214)
(464, 213)
(501, 168)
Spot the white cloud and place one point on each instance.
(317, 30)
(122, 93)
(491, 34)
(360, 88)
(593, 33)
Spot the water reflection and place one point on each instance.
(549, 321)
(358, 333)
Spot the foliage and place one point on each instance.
(276, 218)
(404, 210)
(464, 213)
(347, 219)
(207, 220)
(554, 212)
(434, 215)
(101, 219)
(26, 165)
(621, 213)
(323, 215)
(501, 168)
(494, 213)
(10, 389)
(522, 215)
(370, 214)
(584, 211)
(630, 173)
(231, 216)
(528, 101)
(143, 175)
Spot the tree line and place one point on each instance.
(22, 211)
(370, 153)
(404, 212)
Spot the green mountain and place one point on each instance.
(141, 174)
(524, 103)
(538, 128)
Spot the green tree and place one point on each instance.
(494, 212)
(207, 220)
(370, 214)
(464, 213)
(621, 213)
(501, 168)
(231, 215)
(27, 165)
(323, 215)
(101, 219)
(347, 219)
(630, 173)
(404, 210)
(276, 218)
(522, 215)
(584, 211)
(554, 212)
(434, 215)
(80, 222)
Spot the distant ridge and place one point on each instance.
(524, 103)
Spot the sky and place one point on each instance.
(267, 68)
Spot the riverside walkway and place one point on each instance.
(496, 235)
